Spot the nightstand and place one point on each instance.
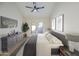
(64, 51)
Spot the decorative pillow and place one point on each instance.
(49, 38)
(46, 33)
(52, 39)
(56, 40)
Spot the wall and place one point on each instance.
(10, 10)
(71, 16)
(71, 21)
(35, 20)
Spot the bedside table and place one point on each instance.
(64, 51)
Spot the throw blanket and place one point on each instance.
(30, 47)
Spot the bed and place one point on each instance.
(46, 42)
(41, 44)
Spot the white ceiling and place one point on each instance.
(46, 12)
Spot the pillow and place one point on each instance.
(49, 38)
(56, 40)
(52, 39)
(46, 33)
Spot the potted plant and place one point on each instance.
(25, 27)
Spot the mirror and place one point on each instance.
(7, 22)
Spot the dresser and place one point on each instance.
(7, 43)
(63, 51)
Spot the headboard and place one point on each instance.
(61, 37)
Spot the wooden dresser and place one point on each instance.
(11, 44)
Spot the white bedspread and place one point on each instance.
(43, 47)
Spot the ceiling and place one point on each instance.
(46, 12)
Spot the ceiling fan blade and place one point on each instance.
(40, 7)
(32, 10)
(28, 7)
(34, 3)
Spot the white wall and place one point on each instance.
(71, 16)
(35, 21)
(10, 10)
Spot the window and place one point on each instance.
(33, 28)
(58, 23)
(40, 24)
(53, 24)
(40, 28)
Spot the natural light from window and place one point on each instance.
(33, 27)
(53, 24)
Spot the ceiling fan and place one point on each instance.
(34, 8)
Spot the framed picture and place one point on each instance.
(6, 22)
